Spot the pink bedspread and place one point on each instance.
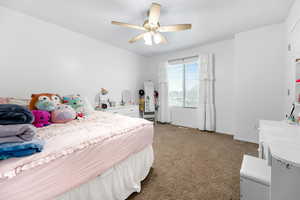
(74, 152)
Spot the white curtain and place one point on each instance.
(164, 110)
(206, 109)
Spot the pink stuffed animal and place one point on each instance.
(63, 114)
(41, 118)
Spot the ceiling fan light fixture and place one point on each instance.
(148, 38)
(157, 39)
(149, 43)
(152, 27)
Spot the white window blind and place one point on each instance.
(183, 81)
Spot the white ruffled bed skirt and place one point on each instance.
(117, 183)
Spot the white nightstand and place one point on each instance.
(128, 110)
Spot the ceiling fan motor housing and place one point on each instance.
(151, 27)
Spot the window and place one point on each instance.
(183, 79)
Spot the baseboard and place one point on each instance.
(217, 131)
(224, 133)
(245, 139)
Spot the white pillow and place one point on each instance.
(18, 101)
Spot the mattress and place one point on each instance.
(74, 153)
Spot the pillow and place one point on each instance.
(3, 100)
(19, 101)
(63, 114)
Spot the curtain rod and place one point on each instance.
(178, 59)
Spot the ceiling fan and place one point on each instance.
(153, 28)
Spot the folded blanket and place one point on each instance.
(15, 114)
(10, 150)
(16, 133)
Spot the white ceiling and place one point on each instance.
(212, 20)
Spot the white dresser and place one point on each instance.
(128, 110)
(280, 146)
(271, 132)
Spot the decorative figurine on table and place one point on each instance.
(103, 99)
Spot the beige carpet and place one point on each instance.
(194, 165)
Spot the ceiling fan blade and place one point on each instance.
(163, 39)
(177, 27)
(138, 37)
(128, 25)
(154, 13)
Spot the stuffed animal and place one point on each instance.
(76, 102)
(41, 118)
(63, 114)
(44, 101)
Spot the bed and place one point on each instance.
(105, 156)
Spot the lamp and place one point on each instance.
(148, 38)
(157, 38)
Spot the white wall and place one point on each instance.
(184, 117)
(250, 81)
(224, 64)
(36, 56)
(259, 79)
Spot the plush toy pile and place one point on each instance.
(50, 108)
